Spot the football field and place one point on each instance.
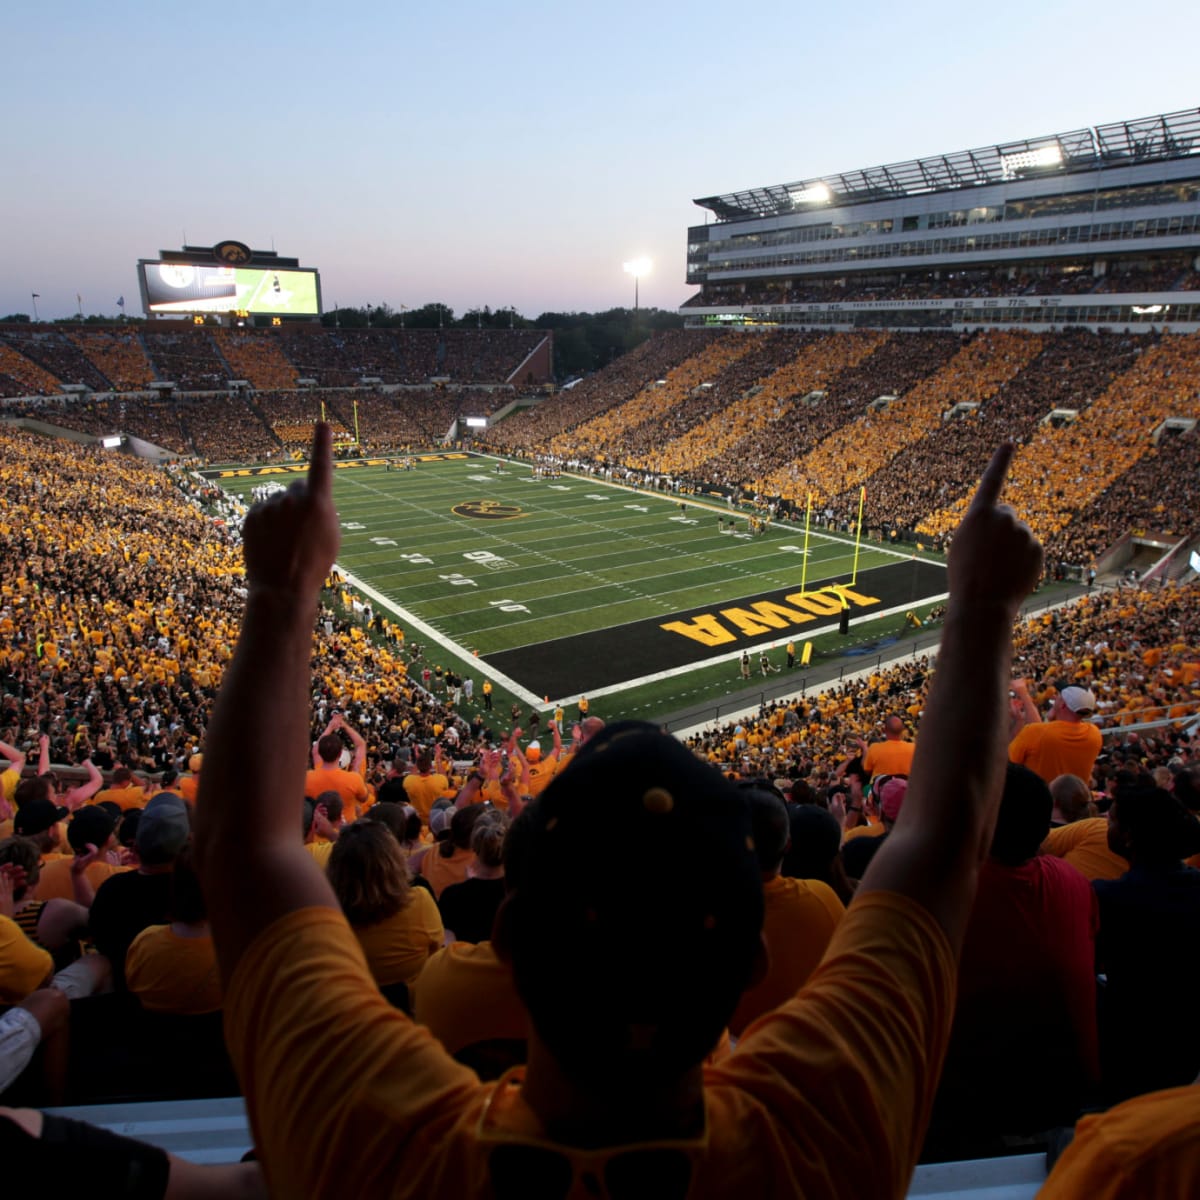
(557, 588)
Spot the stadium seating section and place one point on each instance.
(120, 606)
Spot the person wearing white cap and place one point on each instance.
(1067, 743)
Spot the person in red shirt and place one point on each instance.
(1024, 1052)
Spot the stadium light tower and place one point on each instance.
(637, 268)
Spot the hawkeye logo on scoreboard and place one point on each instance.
(752, 619)
(488, 510)
(235, 254)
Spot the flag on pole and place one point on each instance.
(120, 301)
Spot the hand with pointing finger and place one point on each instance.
(995, 560)
(291, 539)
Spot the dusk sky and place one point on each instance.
(506, 154)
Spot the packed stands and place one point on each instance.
(848, 457)
(616, 384)
(809, 365)
(486, 355)
(205, 359)
(118, 355)
(670, 443)
(54, 350)
(224, 429)
(187, 358)
(1137, 649)
(343, 357)
(153, 419)
(21, 376)
(291, 416)
(893, 366)
(1158, 495)
(1063, 470)
(120, 616)
(600, 438)
(255, 358)
(1071, 369)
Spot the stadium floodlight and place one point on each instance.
(818, 193)
(1011, 165)
(637, 267)
(1148, 310)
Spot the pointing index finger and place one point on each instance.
(320, 467)
(992, 482)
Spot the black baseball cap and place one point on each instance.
(36, 816)
(688, 927)
(89, 825)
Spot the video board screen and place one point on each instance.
(202, 288)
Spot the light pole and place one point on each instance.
(637, 268)
(34, 297)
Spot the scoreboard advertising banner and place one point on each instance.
(175, 287)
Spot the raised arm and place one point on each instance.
(16, 758)
(43, 754)
(945, 827)
(85, 791)
(1028, 713)
(252, 864)
(359, 758)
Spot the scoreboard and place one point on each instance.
(228, 278)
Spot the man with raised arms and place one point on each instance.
(628, 989)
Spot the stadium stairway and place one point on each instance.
(141, 338)
(220, 354)
(253, 406)
(217, 1131)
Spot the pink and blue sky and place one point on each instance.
(506, 154)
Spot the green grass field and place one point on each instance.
(568, 586)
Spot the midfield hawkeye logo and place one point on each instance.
(488, 510)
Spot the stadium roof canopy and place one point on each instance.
(1170, 135)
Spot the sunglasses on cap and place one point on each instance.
(524, 1167)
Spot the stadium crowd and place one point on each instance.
(1061, 471)
(602, 438)
(1154, 276)
(123, 594)
(36, 360)
(852, 453)
(1071, 369)
(258, 360)
(57, 354)
(617, 384)
(665, 443)
(223, 429)
(781, 415)
(736, 434)
(21, 376)
(119, 356)
(187, 358)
